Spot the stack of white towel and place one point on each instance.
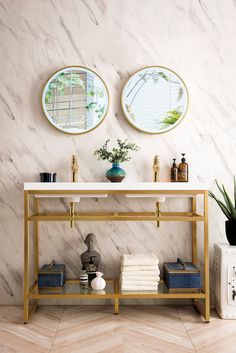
(139, 272)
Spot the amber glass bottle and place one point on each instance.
(174, 172)
(183, 170)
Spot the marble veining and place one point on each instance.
(114, 38)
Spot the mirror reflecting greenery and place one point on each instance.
(75, 100)
(154, 99)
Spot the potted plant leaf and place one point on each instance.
(228, 207)
(116, 156)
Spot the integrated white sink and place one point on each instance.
(75, 191)
(157, 197)
(129, 186)
(71, 197)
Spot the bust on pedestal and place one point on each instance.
(90, 241)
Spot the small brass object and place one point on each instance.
(74, 168)
(158, 213)
(72, 212)
(156, 174)
(156, 168)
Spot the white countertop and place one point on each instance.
(108, 186)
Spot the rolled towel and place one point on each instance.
(138, 283)
(139, 268)
(139, 259)
(140, 288)
(140, 279)
(142, 273)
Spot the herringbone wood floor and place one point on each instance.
(94, 329)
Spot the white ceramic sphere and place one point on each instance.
(98, 283)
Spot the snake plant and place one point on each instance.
(227, 206)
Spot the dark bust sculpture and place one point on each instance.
(90, 241)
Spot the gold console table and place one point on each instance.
(156, 191)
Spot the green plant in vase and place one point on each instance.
(228, 207)
(116, 156)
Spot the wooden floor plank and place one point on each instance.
(218, 336)
(95, 329)
(35, 337)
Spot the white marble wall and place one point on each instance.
(114, 38)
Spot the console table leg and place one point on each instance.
(116, 300)
(194, 238)
(26, 257)
(206, 261)
(116, 306)
(194, 234)
(36, 243)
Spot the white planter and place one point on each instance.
(98, 283)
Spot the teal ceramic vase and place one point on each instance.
(115, 174)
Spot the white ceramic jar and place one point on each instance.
(98, 283)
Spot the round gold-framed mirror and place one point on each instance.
(75, 99)
(155, 99)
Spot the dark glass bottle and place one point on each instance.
(174, 172)
(183, 170)
(91, 270)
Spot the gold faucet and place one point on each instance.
(74, 168)
(156, 175)
(156, 168)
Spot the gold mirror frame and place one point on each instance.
(45, 90)
(128, 119)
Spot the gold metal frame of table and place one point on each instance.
(32, 292)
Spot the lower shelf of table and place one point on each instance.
(73, 290)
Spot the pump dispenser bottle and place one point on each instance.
(174, 172)
(183, 170)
